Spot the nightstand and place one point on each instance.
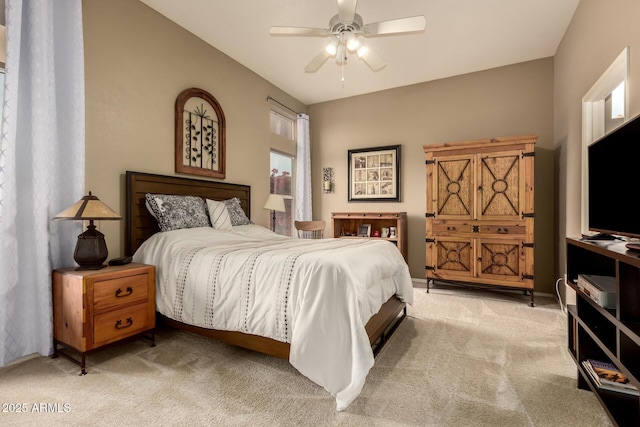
(94, 308)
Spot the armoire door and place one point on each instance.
(500, 186)
(454, 258)
(454, 187)
(500, 260)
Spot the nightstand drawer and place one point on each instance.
(124, 290)
(117, 324)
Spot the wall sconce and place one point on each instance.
(327, 180)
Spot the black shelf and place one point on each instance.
(608, 335)
(615, 404)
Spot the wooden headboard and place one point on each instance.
(140, 225)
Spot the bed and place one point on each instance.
(304, 327)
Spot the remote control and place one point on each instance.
(120, 261)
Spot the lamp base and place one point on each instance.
(91, 249)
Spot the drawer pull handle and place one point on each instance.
(119, 293)
(503, 230)
(451, 228)
(120, 326)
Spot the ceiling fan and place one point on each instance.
(344, 29)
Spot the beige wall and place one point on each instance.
(136, 64)
(506, 101)
(598, 33)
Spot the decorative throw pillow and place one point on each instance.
(219, 215)
(176, 212)
(236, 213)
(146, 203)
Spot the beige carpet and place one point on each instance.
(462, 358)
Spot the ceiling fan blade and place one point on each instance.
(347, 10)
(394, 26)
(299, 31)
(316, 62)
(373, 60)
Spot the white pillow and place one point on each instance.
(219, 215)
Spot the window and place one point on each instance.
(282, 125)
(604, 108)
(617, 102)
(281, 182)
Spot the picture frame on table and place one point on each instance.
(374, 174)
(364, 230)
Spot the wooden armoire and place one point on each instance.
(479, 213)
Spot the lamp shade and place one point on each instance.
(275, 202)
(89, 207)
(362, 51)
(332, 47)
(352, 42)
(91, 249)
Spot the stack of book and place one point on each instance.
(607, 377)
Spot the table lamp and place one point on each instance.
(275, 203)
(91, 249)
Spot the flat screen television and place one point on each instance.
(614, 181)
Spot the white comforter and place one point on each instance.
(316, 295)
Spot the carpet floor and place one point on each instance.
(460, 358)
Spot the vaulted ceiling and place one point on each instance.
(461, 36)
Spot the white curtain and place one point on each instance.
(303, 170)
(41, 165)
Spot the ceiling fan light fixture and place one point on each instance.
(343, 32)
(352, 42)
(362, 51)
(341, 54)
(332, 47)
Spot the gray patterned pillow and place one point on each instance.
(236, 213)
(176, 212)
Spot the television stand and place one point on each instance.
(606, 334)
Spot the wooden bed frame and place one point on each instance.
(140, 225)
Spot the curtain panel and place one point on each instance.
(41, 165)
(304, 210)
